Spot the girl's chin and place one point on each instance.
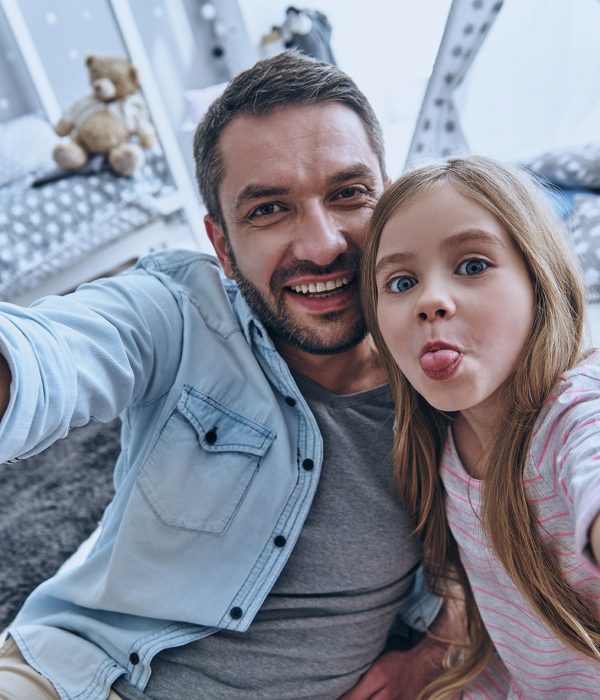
(446, 404)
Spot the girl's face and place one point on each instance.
(455, 300)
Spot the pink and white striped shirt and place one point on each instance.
(562, 479)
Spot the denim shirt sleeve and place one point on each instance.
(86, 356)
(420, 608)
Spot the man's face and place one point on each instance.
(299, 187)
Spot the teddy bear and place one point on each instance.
(105, 121)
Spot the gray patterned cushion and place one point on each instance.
(570, 167)
(578, 169)
(584, 225)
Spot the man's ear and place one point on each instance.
(219, 241)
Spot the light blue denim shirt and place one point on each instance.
(172, 348)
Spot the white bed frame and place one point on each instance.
(111, 258)
(159, 234)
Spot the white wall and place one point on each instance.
(387, 47)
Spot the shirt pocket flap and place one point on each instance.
(203, 464)
(220, 429)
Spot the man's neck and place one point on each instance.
(348, 372)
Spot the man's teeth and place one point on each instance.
(313, 287)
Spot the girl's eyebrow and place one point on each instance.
(472, 235)
(392, 260)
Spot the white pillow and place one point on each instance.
(26, 144)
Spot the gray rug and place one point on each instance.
(48, 505)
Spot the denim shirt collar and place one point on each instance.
(253, 329)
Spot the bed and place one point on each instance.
(71, 229)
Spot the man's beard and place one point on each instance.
(281, 326)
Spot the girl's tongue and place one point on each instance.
(438, 360)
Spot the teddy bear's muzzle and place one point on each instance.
(104, 89)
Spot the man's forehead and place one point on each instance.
(289, 143)
(284, 126)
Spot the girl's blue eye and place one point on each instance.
(473, 266)
(401, 284)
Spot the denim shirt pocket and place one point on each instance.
(203, 464)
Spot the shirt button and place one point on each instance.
(290, 400)
(235, 613)
(134, 658)
(211, 437)
(279, 541)
(308, 464)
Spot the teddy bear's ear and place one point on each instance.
(133, 74)
(89, 60)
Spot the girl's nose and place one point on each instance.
(434, 304)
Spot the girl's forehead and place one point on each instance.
(440, 215)
(438, 207)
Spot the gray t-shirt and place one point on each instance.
(328, 616)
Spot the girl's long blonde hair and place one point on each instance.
(554, 346)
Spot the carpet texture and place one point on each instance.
(48, 505)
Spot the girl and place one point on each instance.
(477, 309)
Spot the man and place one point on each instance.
(255, 547)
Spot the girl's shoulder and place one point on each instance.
(585, 375)
(576, 394)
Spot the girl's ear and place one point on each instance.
(219, 242)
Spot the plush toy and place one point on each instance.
(104, 122)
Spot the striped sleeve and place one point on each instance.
(577, 457)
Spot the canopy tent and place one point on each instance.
(512, 79)
(438, 130)
(520, 80)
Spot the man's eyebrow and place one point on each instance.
(474, 235)
(357, 170)
(251, 193)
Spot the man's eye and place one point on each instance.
(400, 284)
(473, 266)
(347, 192)
(264, 210)
(350, 192)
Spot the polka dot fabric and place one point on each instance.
(438, 131)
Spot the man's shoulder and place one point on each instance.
(173, 261)
(193, 271)
(199, 277)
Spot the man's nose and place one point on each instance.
(321, 238)
(434, 302)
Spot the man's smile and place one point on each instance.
(320, 286)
